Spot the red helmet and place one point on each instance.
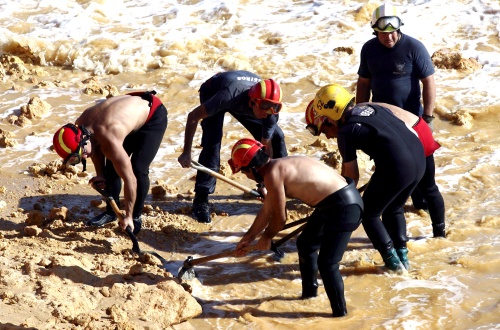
(267, 89)
(310, 113)
(243, 152)
(67, 140)
(313, 120)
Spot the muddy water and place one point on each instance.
(453, 282)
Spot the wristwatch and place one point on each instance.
(427, 118)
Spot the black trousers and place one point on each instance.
(328, 230)
(142, 147)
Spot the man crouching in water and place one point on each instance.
(338, 211)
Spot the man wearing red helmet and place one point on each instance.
(122, 136)
(254, 102)
(338, 211)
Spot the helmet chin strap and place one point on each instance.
(257, 176)
(86, 136)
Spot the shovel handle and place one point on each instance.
(295, 223)
(119, 214)
(288, 236)
(199, 167)
(231, 253)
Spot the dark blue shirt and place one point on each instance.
(395, 72)
(228, 92)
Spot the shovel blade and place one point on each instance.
(186, 274)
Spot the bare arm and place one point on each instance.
(362, 90)
(112, 149)
(351, 170)
(429, 94)
(271, 217)
(194, 117)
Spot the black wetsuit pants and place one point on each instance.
(142, 146)
(329, 230)
(211, 144)
(385, 196)
(430, 191)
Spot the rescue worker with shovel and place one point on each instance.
(254, 102)
(122, 136)
(338, 211)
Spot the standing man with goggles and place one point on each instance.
(122, 136)
(392, 65)
(254, 102)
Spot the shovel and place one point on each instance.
(208, 171)
(186, 272)
(128, 230)
(197, 166)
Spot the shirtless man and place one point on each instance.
(338, 210)
(122, 136)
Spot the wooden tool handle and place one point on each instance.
(230, 253)
(288, 236)
(208, 171)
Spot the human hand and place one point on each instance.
(261, 189)
(240, 248)
(185, 159)
(126, 222)
(264, 243)
(98, 182)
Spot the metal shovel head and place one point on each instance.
(186, 272)
(278, 253)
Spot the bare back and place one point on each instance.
(115, 117)
(407, 117)
(303, 178)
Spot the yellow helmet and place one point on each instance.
(331, 101)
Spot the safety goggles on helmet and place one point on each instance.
(387, 24)
(271, 108)
(75, 158)
(315, 130)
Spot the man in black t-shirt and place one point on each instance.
(254, 102)
(392, 66)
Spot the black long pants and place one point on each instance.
(142, 146)
(385, 197)
(430, 191)
(324, 232)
